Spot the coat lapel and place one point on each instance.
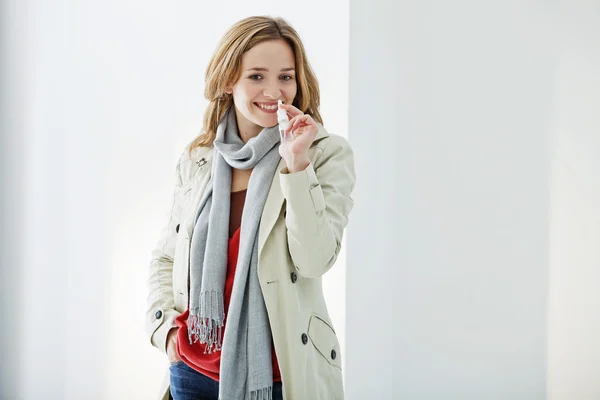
(272, 208)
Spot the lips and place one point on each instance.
(273, 111)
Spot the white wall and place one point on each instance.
(574, 292)
(10, 190)
(478, 189)
(451, 114)
(98, 101)
(56, 231)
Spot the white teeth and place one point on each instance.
(267, 107)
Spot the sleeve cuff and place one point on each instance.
(164, 324)
(302, 187)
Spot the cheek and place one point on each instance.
(248, 93)
(291, 92)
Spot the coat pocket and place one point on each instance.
(323, 337)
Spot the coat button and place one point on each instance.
(177, 228)
(294, 277)
(333, 354)
(158, 314)
(304, 338)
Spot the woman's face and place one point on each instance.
(268, 74)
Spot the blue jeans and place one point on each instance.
(189, 384)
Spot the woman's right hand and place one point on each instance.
(172, 346)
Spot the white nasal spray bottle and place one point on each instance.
(284, 122)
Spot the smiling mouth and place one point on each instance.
(270, 109)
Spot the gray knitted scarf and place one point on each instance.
(246, 371)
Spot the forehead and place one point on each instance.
(275, 53)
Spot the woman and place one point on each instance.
(235, 299)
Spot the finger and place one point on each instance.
(299, 120)
(292, 123)
(302, 119)
(291, 110)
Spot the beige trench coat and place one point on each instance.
(299, 240)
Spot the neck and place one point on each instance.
(247, 134)
(246, 129)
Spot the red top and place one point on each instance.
(193, 354)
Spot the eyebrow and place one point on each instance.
(266, 70)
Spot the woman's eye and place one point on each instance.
(284, 77)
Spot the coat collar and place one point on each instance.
(275, 198)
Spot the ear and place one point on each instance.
(229, 90)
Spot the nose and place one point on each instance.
(272, 91)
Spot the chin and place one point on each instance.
(262, 124)
(265, 122)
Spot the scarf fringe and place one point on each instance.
(262, 394)
(205, 323)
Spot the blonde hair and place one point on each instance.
(225, 66)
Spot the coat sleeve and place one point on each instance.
(318, 201)
(161, 313)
